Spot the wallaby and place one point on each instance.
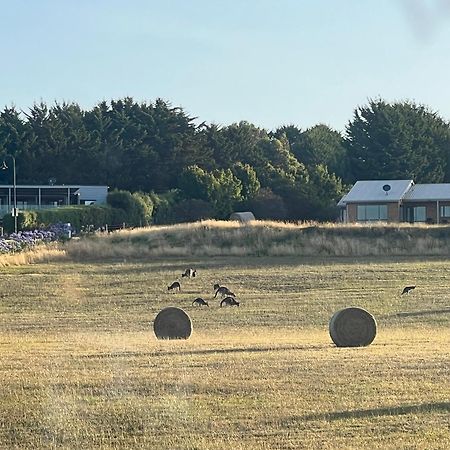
(408, 289)
(222, 290)
(174, 286)
(190, 273)
(199, 302)
(229, 301)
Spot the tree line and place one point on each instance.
(192, 171)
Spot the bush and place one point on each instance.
(146, 206)
(77, 216)
(26, 220)
(137, 207)
(192, 210)
(163, 212)
(266, 205)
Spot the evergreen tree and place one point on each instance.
(398, 141)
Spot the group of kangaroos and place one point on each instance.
(228, 297)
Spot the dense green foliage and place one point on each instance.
(78, 216)
(398, 141)
(178, 170)
(136, 209)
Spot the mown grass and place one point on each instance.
(80, 367)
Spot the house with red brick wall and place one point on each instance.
(396, 201)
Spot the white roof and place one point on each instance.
(377, 191)
(245, 216)
(429, 192)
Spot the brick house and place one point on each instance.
(396, 201)
(427, 203)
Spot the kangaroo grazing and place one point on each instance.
(199, 302)
(174, 286)
(229, 301)
(190, 273)
(222, 290)
(408, 289)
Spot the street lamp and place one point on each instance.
(4, 166)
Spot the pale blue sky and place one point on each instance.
(271, 62)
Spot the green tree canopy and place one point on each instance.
(248, 178)
(397, 141)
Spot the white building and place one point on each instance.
(33, 197)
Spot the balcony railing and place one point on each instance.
(6, 209)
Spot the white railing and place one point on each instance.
(6, 209)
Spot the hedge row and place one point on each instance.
(78, 216)
(133, 209)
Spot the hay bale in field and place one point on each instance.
(242, 217)
(352, 327)
(172, 323)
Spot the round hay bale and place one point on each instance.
(172, 323)
(352, 327)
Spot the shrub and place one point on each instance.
(267, 205)
(137, 207)
(146, 206)
(192, 210)
(163, 212)
(77, 216)
(25, 240)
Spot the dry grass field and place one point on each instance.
(80, 367)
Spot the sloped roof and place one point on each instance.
(429, 192)
(372, 191)
(342, 201)
(245, 216)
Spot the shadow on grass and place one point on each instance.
(446, 310)
(179, 263)
(376, 412)
(210, 351)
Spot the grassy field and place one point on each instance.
(80, 367)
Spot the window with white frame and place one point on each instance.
(445, 211)
(419, 214)
(366, 213)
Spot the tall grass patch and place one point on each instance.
(259, 238)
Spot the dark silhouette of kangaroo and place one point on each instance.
(174, 286)
(408, 289)
(199, 302)
(229, 301)
(222, 290)
(190, 273)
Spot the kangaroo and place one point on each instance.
(216, 286)
(408, 289)
(190, 273)
(222, 290)
(229, 301)
(199, 302)
(174, 286)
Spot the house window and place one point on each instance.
(445, 211)
(371, 212)
(419, 214)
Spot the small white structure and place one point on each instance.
(244, 217)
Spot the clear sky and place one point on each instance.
(271, 62)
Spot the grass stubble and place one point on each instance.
(80, 367)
